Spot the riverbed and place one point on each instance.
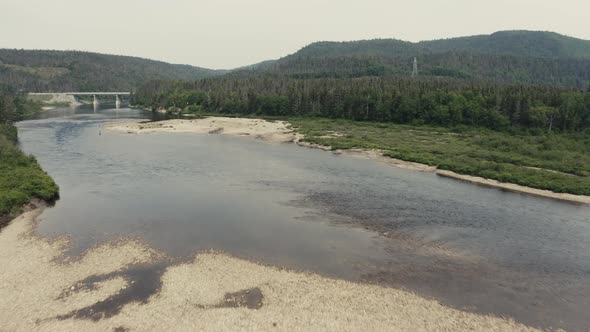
(474, 248)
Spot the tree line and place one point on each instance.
(13, 105)
(21, 177)
(495, 68)
(440, 102)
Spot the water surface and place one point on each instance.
(476, 248)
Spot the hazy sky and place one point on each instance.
(232, 33)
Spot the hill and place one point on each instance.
(58, 71)
(506, 57)
(518, 43)
(528, 57)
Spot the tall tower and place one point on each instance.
(415, 68)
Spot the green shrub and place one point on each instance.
(21, 177)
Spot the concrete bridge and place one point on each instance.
(72, 97)
(95, 95)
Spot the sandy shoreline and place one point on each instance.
(281, 132)
(377, 155)
(277, 131)
(102, 291)
(515, 188)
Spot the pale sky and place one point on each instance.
(231, 33)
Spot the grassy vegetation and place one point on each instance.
(21, 177)
(557, 162)
(43, 72)
(30, 108)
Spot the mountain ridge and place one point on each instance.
(58, 71)
(511, 56)
(518, 56)
(464, 42)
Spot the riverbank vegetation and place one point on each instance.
(556, 162)
(534, 136)
(21, 177)
(445, 103)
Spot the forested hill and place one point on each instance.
(58, 71)
(528, 57)
(507, 57)
(519, 43)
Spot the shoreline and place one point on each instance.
(579, 199)
(281, 132)
(126, 285)
(276, 131)
(476, 180)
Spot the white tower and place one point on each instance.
(415, 68)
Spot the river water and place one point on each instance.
(474, 248)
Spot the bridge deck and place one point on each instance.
(98, 93)
(83, 93)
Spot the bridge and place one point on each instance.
(72, 97)
(95, 95)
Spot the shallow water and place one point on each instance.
(472, 247)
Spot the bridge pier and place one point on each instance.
(119, 95)
(95, 103)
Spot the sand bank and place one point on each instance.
(515, 188)
(276, 131)
(102, 291)
(280, 131)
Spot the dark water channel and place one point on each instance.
(474, 248)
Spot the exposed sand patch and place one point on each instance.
(549, 170)
(50, 98)
(212, 292)
(277, 131)
(332, 134)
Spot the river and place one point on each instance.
(475, 248)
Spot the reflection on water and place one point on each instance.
(476, 248)
(106, 109)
